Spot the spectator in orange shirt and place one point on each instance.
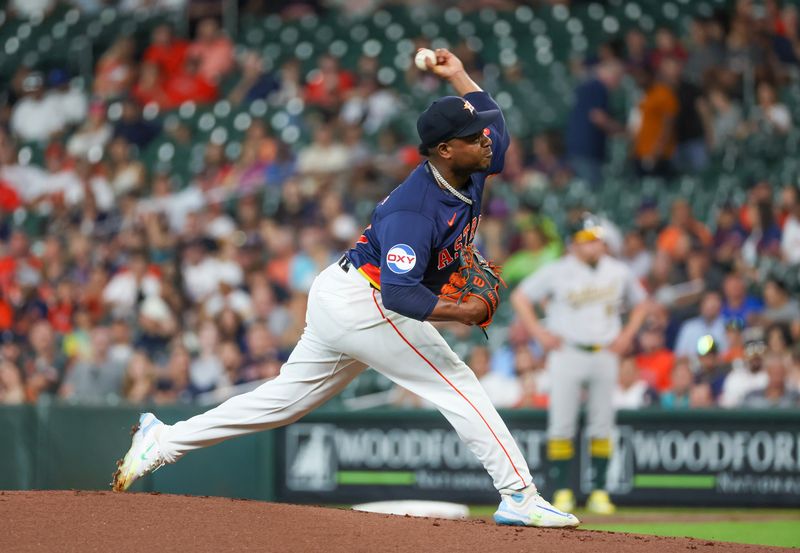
(760, 192)
(190, 85)
(61, 306)
(6, 313)
(213, 50)
(9, 199)
(532, 395)
(654, 140)
(683, 231)
(16, 254)
(150, 87)
(166, 51)
(328, 84)
(655, 361)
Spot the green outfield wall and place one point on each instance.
(710, 457)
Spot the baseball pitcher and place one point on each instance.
(585, 292)
(414, 263)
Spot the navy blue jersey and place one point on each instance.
(419, 230)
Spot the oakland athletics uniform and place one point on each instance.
(583, 309)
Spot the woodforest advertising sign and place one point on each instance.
(708, 458)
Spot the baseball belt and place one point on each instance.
(590, 348)
(345, 265)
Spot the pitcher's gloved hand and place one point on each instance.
(477, 278)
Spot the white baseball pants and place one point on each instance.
(569, 370)
(347, 330)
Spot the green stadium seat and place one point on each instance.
(289, 35)
(233, 149)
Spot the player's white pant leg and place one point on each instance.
(566, 368)
(315, 372)
(414, 355)
(602, 382)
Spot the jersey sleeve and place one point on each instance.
(538, 285)
(406, 238)
(482, 101)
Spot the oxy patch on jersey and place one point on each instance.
(401, 258)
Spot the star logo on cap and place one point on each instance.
(469, 106)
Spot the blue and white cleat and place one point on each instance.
(528, 508)
(144, 455)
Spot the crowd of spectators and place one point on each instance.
(716, 88)
(119, 283)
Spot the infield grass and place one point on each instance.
(776, 527)
(784, 533)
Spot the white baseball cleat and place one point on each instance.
(144, 455)
(527, 508)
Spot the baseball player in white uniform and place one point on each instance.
(371, 309)
(584, 292)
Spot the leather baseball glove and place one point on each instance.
(475, 277)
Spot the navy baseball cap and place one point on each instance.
(452, 117)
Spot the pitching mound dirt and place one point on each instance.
(55, 521)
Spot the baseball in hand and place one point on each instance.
(424, 54)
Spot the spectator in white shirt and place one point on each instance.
(70, 182)
(636, 255)
(228, 293)
(130, 286)
(370, 105)
(503, 390)
(206, 371)
(770, 116)
(709, 322)
(90, 140)
(746, 374)
(776, 393)
(324, 155)
(177, 207)
(199, 271)
(68, 98)
(790, 238)
(120, 349)
(203, 274)
(35, 118)
(723, 118)
(632, 391)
